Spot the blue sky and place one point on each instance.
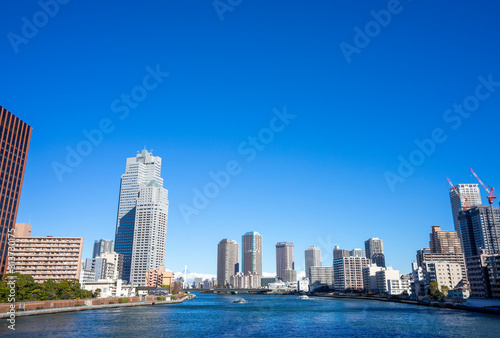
(320, 181)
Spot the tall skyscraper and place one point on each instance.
(144, 202)
(150, 231)
(252, 253)
(284, 258)
(15, 136)
(313, 258)
(374, 248)
(469, 191)
(444, 241)
(102, 246)
(479, 230)
(227, 261)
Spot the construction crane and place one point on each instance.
(465, 203)
(491, 193)
(491, 196)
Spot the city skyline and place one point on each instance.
(405, 104)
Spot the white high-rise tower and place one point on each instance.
(150, 231)
(143, 202)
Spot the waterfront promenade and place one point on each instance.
(87, 305)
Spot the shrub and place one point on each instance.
(39, 308)
(122, 300)
(172, 297)
(111, 302)
(160, 298)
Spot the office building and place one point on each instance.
(15, 136)
(102, 246)
(252, 253)
(139, 172)
(150, 231)
(479, 230)
(313, 258)
(246, 281)
(357, 253)
(289, 276)
(198, 282)
(227, 261)
(284, 259)
(265, 281)
(339, 253)
(348, 273)
(374, 248)
(444, 241)
(44, 258)
(469, 191)
(321, 275)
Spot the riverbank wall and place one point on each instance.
(57, 306)
(463, 307)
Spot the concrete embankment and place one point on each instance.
(413, 302)
(94, 307)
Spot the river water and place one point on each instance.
(263, 315)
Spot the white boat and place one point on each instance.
(303, 297)
(239, 301)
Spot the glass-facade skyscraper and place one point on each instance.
(252, 253)
(15, 141)
(143, 201)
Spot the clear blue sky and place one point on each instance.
(321, 181)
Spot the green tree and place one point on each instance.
(444, 290)
(97, 293)
(434, 290)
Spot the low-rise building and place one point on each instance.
(459, 293)
(111, 288)
(379, 279)
(303, 284)
(158, 278)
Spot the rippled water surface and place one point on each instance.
(263, 315)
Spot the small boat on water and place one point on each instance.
(239, 301)
(303, 297)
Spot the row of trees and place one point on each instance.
(26, 289)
